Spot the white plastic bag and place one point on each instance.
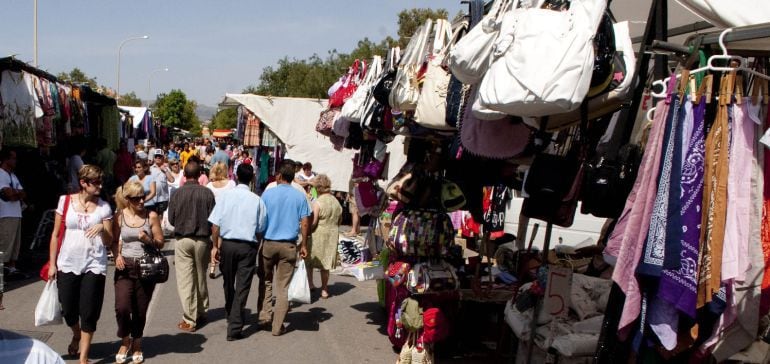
(166, 226)
(48, 310)
(299, 289)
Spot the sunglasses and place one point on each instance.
(136, 198)
(96, 182)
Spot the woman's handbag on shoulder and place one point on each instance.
(59, 238)
(153, 265)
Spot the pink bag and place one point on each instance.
(435, 326)
(497, 139)
(349, 85)
(326, 121)
(367, 194)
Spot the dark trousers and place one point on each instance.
(238, 265)
(81, 297)
(132, 298)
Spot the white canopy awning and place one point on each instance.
(293, 121)
(138, 113)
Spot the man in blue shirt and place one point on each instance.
(238, 219)
(221, 156)
(287, 217)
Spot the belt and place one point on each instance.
(282, 241)
(240, 241)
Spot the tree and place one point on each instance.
(312, 77)
(224, 119)
(130, 99)
(175, 110)
(77, 76)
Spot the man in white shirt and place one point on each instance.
(11, 196)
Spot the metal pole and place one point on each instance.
(34, 33)
(540, 301)
(117, 96)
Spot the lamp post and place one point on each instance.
(117, 97)
(34, 33)
(149, 80)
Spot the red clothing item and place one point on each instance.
(123, 169)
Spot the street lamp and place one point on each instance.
(117, 97)
(149, 80)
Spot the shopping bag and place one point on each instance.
(166, 226)
(48, 310)
(299, 289)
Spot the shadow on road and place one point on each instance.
(340, 288)
(308, 321)
(153, 346)
(375, 315)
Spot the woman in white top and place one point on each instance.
(80, 266)
(173, 165)
(218, 179)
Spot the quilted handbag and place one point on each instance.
(349, 85)
(619, 91)
(354, 107)
(543, 60)
(421, 233)
(470, 57)
(406, 90)
(326, 121)
(432, 278)
(503, 138)
(431, 106)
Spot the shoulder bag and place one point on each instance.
(427, 278)
(421, 233)
(431, 106)
(349, 85)
(353, 109)
(59, 238)
(502, 138)
(384, 84)
(543, 60)
(326, 120)
(470, 58)
(406, 89)
(153, 265)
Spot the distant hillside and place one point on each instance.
(205, 112)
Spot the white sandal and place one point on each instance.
(138, 357)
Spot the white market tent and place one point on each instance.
(138, 113)
(293, 121)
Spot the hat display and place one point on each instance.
(451, 196)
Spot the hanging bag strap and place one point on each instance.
(63, 224)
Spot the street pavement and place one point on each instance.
(346, 328)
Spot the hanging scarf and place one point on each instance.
(715, 198)
(678, 286)
(765, 298)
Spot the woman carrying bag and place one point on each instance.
(80, 265)
(326, 234)
(134, 227)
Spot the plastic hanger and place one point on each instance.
(742, 62)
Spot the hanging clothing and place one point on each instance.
(628, 238)
(495, 202)
(19, 107)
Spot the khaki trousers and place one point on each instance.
(191, 258)
(276, 268)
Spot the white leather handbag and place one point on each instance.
(469, 59)
(542, 60)
(607, 102)
(353, 109)
(406, 90)
(431, 106)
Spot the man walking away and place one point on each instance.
(188, 212)
(238, 220)
(287, 217)
(221, 156)
(11, 196)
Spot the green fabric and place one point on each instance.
(411, 315)
(384, 256)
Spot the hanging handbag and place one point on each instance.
(384, 85)
(421, 233)
(427, 278)
(59, 237)
(435, 325)
(431, 105)
(543, 60)
(558, 212)
(349, 85)
(366, 194)
(470, 57)
(326, 121)
(341, 127)
(406, 89)
(153, 265)
(607, 183)
(411, 315)
(354, 108)
(617, 93)
(497, 139)
(398, 272)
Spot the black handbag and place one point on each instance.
(607, 183)
(153, 265)
(381, 91)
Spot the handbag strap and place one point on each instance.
(415, 50)
(63, 223)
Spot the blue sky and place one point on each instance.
(210, 47)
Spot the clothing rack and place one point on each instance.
(13, 64)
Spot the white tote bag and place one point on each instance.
(48, 309)
(353, 109)
(543, 60)
(431, 106)
(469, 59)
(299, 289)
(406, 92)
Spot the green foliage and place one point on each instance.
(77, 76)
(130, 99)
(224, 119)
(175, 110)
(312, 77)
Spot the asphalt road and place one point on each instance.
(346, 328)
